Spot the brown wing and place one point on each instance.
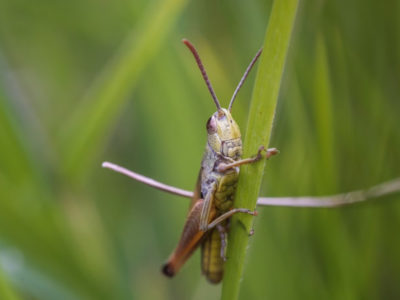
(197, 190)
(191, 238)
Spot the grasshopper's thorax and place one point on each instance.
(224, 135)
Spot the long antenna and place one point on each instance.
(246, 73)
(203, 71)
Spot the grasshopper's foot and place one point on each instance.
(268, 153)
(271, 152)
(250, 212)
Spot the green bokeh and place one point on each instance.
(72, 230)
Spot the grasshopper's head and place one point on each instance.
(224, 134)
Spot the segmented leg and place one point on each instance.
(222, 234)
(269, 152)
(228, 214)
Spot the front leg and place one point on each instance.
(222, 167)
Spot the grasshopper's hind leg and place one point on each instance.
(222, 235)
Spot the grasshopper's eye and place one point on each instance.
(211, 125)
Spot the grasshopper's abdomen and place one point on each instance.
(225, 192)
(212, 264)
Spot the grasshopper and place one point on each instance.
(212, 203)
(207, 222)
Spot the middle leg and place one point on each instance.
(228, 214)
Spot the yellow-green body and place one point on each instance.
(224, 145)
(213, 196)
(212, 264)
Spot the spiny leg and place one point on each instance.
(222, 234)
(269, 152)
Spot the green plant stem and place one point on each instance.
(262, 110)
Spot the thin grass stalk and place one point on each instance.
(262, 111)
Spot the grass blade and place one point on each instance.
(15, 163)
(262, 110)
(105, 100)
(6, 290)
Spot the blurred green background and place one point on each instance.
(86, 81)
